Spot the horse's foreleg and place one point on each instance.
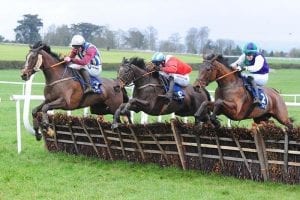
(35, 122)
(116, 117)
(134, 103)
(58, 103)
(203, 112)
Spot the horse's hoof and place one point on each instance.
(50, 132)
(38, 136)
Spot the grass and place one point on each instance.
(38, 174)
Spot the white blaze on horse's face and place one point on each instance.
(31, 58)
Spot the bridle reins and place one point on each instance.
(39, 62)
(134, 79)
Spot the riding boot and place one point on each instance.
(86, 76)
(168, 96)
(256, 99)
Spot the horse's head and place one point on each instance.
(128, 68)
(33, 61)
(212, 68)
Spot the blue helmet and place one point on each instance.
(250, 48)
(158, 57)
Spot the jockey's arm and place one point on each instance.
(239, 61)
(169, 69)
(258, 64)
(90, 53)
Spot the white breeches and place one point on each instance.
(260, 79)
(182, 80)
(94, 70)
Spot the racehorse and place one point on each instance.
(63, 89)
(147, 88)
(232, 98)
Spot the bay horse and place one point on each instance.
(147, 88)
(233, 100)
(64, 91)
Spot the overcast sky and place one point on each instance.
(272, 24)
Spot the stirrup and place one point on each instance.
(256, 101)
(88, 90)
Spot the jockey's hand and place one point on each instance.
(237, 67)
(67, 59)
(156, 68)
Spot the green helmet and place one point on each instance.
(250, 48)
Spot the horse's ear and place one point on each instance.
(208, 56)
(123, 61)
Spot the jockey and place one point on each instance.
(255, 63)
(175, 70)
(84, 57)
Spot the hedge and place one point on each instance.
(115, 66)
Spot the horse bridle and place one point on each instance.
(134, 78)
(40, 60)
(211, 65)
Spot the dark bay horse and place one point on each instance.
(148, 87)
(231, 97)
(62, 91)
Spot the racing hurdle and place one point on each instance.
(264, 153)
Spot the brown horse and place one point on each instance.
(147, 88)
(231, 97)
(64, 91)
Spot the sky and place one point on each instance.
(273, 25)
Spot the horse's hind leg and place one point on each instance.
(202, 114)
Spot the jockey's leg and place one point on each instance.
(86, 76)
(254, 86)
(168, 96)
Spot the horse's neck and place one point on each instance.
(53, 73)
(143, 77)
(225, 78)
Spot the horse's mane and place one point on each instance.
(220, 58)
(46, 48)
(139, 62)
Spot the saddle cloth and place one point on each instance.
(178, 92)
(94, 81)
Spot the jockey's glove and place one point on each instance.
(156, 68)
(67, 59)
(245, 68)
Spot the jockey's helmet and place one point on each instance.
(158, 58)
(250, 48)
(77, 40)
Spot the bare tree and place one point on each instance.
(151, 37)
(60, 35)
(191, 41)
(203, 37)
